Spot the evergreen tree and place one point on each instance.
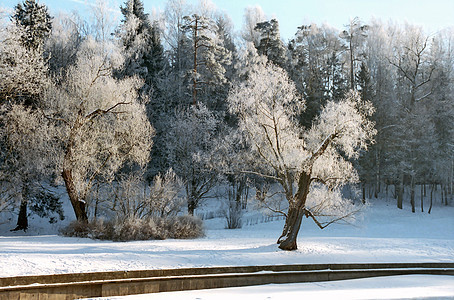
(33, 26)
(270, 43)
(354, 36)
(209, 56)
(336, 80)
(364, 82)
(36, 21)
(144, 54)
(308, 52)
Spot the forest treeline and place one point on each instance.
(130, 116)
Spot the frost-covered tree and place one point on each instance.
(141, 44)
(315, 67)
(23, 72)
(354, 36)
(209, 55)
(311, 165)
(135, 199)
(252, 16)
(63, 43)
(270, 43)
(189, 142)
(23, 78)
(35, 20)
(414, 72)
(101, 124)
(27, 155)
(102, 21)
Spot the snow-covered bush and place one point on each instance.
(134, 198)
(155, 228)
(141, 212)
(185, 227)
(233, 214)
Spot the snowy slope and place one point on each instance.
(385, 235)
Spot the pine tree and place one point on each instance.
(270, 42)
(33, 27)
(140, 39)
(36, 21)
(364, 82)
(354, 36)
(209, 55)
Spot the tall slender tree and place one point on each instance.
(270, 43)
(142, 46)
(209, 55)
(33, 26)
(354, 36)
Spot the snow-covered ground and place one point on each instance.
(394, 287)
(386, 234)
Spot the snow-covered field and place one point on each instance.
(386, 234)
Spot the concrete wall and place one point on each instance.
(102, 284)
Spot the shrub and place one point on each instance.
(96, 229)
(185, 227)
(178, 227)
(233, 215)
(136, 199)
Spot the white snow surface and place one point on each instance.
(386, 234)
(393, 287)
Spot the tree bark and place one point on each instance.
(191, 194)
(363, 198)
(377, 175)
(191, 207)
(78, 204)
(431, 198)
(194, 78)
(22, 219)
(291, 229)
(287, 241)
(400, 192)
(422, 197)
(412, 194)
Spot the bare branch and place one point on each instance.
(99, 111)
(323, 225)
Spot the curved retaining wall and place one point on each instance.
(121, 283)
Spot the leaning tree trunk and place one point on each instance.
(67, 174)
(296, 211)
(78, 204)
(291, 228)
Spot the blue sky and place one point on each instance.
(433, 14)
